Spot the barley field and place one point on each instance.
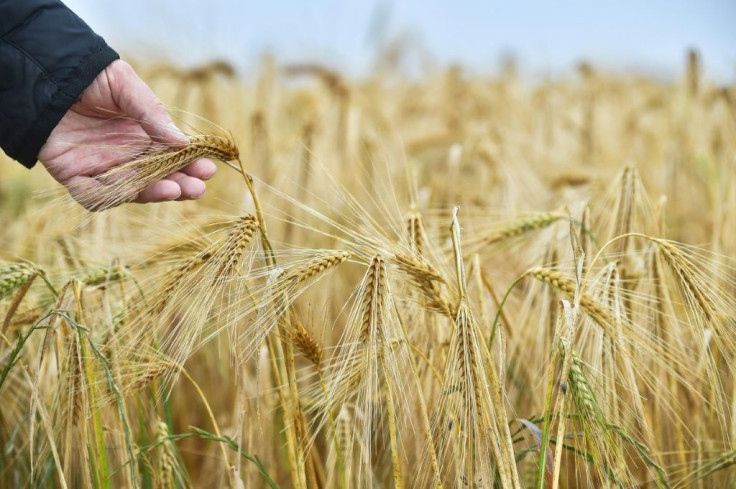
(454, 281)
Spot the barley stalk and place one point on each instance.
(176, 277)
(237, 240)
(304, 342)
(688, 276)
(415, 232)
(104, 275)
(131, 178)
(167, 463)
(314, 268)
(567, 285)
(521, 226)
(16, 278)
(13, 276)
(26, 317)
(427, 280)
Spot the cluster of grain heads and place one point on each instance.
(284, 285)
(275, 310)
(162, 329)
(375, 365)
(515, 229)
(360, 368)
(373, 375)
(470, 423)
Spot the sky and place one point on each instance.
(545, 37)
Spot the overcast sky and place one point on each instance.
(650, 36)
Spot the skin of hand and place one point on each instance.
(117, 110)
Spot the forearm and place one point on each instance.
(48, 56)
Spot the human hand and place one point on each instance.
(117, 110)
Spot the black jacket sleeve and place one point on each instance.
(48, 56)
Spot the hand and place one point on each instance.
(117, 110)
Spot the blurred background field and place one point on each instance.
(545, 38)
(558, 131)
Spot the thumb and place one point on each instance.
(137, 100)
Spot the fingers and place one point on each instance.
(203, 169)
(161, 191)
(191, 188)
(94, 195)
(137, 100)
(177, 186)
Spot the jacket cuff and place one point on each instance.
(61, 101)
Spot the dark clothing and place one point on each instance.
(48, 56)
